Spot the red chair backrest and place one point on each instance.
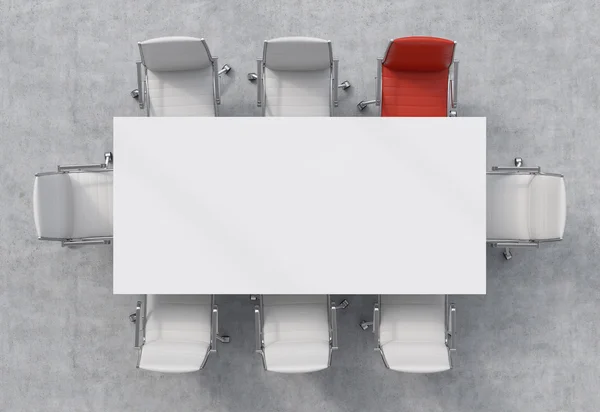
(415, 77)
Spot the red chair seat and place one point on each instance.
(414, 94)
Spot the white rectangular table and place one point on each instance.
(299, 205)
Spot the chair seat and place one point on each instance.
(173, 357)
(178, 332)
(297, 93)
(296, 333)
(297, 357)
(416, 357)
(74, 205)
(525, 207)
(548, 207)
(295, 322)
(92, 204)
(413, 333)
(414, 94)
(181, 93)
(412, 318)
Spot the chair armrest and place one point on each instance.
(451, 338)
(378, 82)
(258, 329)
(334, 82)
(96, 167)
(376, 328)
(140, 84)
(454, 88)
(217, 80)
(138, 324)
(89, 167)
(535, 169)
(333, 326)
(259, 82)
(214, 327)
(513, 243)
(98, 240)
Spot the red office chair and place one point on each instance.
(414, 78)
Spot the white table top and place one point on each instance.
(299, 205)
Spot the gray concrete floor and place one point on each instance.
(531, 344)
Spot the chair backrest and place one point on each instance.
(177, 333)
(297, 77)
(180, 76)
(413, 333)
(53, 206)
(415, 74)
(526, 207)
(296, 333)
(73, 205)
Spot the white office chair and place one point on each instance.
(296, 333)
(74, 204)
(297, 76)
(179, 78)
(176, 333)
(525, 207)
(414, 333)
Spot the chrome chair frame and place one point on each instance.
(507, 244)
(259, 77)
(259, 326)
(84, 168)
(452, 85)
(141, 93)
(140, 329)
(450, 325)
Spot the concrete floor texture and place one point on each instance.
(530, 67)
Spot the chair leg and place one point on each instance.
(252, 76)
(365, 324)
(518, 162)
(223, 338)
(343, 304)
(133, 318)
(135, 93)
